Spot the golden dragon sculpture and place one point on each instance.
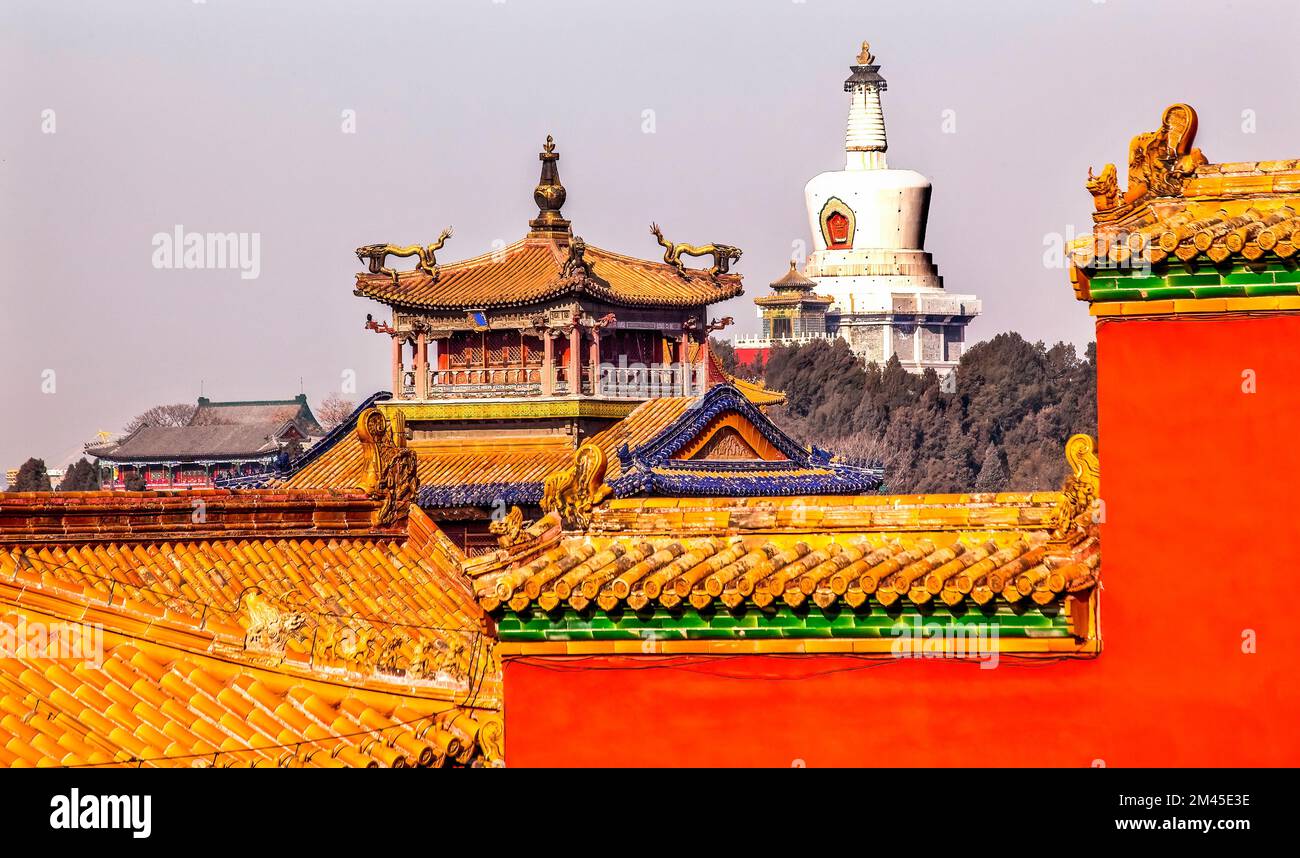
(377, 255)
(723, 254)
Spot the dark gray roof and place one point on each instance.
(171, 443)
(264, 412)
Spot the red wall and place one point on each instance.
(1200, 542)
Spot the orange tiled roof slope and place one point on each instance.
(321, 647)
(685, 551)
(449, 463)
(530, 270)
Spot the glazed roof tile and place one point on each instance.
(366, 650)
(145, 704)
(1178, 208)
(828, 550)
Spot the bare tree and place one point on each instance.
(177, 414)
(333, 410)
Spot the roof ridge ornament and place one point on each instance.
(377, 255)
(392, 477)
(549, 194)
(577, 267)
(1079, 503)
(1158, 163)
(572, 492)
(723, 254)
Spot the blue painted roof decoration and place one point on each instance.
(508, 494)
(651, 468)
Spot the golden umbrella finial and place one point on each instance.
(864, 56)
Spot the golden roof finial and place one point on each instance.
(549, 194)
(864, 56)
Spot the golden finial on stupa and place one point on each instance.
(864, 56)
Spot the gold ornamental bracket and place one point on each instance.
(391, 474)
(1080, 503)
(574, 491)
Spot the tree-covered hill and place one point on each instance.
(1001, 424)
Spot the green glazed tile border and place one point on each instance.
(748, 621)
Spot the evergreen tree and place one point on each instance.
(32, 477)
(134, 482)
(1021, 400)
(81, 476)
(726, 354)
(993, 473)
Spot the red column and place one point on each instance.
(682, 348)
(595, 360)
(421, 366)
(397, 368)
(575, 360)
(548, 364)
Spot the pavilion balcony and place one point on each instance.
(635, 382)
(762, 342)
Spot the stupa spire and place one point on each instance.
(864, 141)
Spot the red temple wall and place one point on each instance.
(749, 355)
(1197, 479)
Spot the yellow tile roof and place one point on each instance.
(636, 571)
(445, 463)
(154, 705)
(326, 650)
(672, 551)
(530, 270)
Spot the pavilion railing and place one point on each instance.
(607, 381)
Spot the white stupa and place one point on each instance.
(868, 227)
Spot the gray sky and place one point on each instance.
(227, 116)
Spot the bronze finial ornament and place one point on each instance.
(723, 254)
(549, 194)
(864, 56)
(377, 254)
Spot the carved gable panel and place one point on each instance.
(729, 437)
(728, 445)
